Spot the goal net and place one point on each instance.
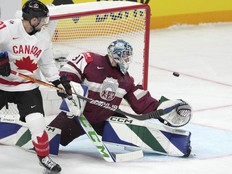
(93, 26)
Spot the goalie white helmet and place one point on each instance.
(121, 51)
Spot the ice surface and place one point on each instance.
(203, 56)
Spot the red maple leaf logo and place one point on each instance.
(26, 64)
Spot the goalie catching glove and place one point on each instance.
(176, 113)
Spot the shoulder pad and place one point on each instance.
(88, 57)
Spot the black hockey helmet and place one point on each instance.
(34, 8)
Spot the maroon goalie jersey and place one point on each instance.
(108, 85)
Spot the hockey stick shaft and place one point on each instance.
(35, 80)
(93, 136)
(155, 114)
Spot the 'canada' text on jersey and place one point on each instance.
(27, 49)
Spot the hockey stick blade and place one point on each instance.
(129, 156)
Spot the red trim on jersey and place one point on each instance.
(6, 82)
(88, 57)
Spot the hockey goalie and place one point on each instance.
(109, 82)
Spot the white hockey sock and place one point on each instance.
(36, 125)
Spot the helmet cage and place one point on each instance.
(121, 52)
(120, 55)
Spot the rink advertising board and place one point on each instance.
(165, 13)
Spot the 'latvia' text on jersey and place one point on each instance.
(28, 54)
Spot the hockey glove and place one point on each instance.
(176, 113)
(4, 64)
(64, 84)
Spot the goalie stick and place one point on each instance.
(89, 130)
(155, 114)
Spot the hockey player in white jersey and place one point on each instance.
(25, 47)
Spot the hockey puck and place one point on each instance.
(176, 74)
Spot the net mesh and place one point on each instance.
(94, 32)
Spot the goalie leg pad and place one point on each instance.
(12, 132)
(147, 136)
